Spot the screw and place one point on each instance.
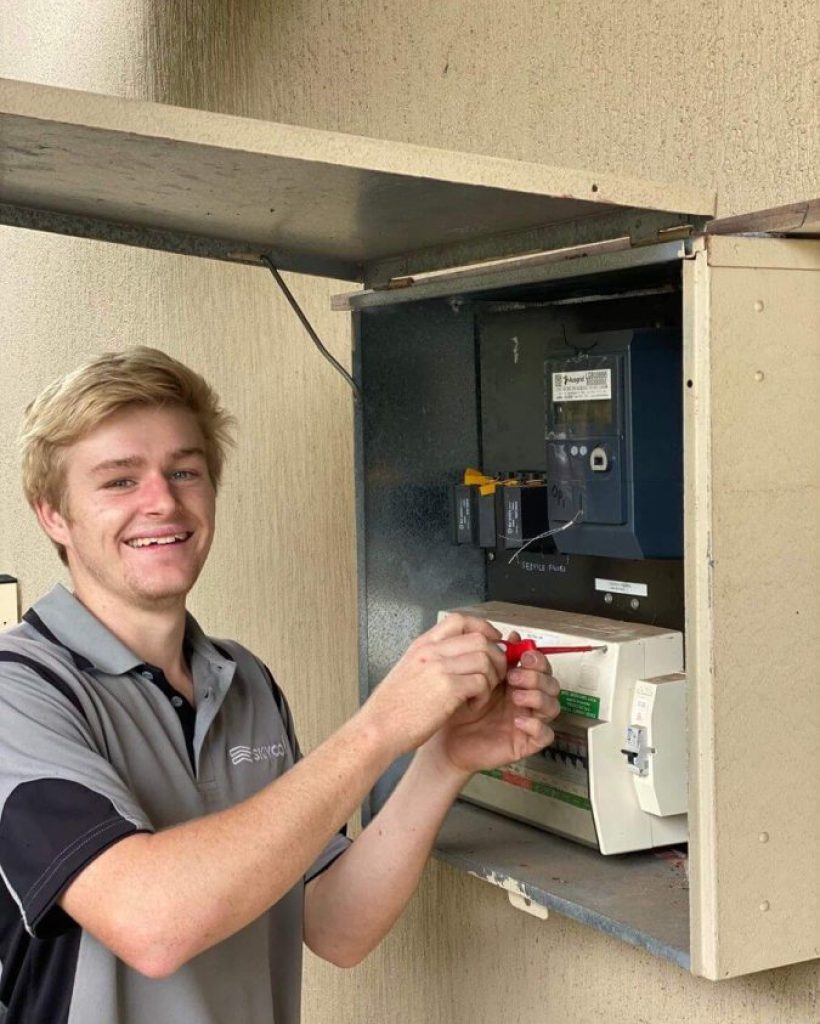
(764, 906)
(608, 599)
(759, 375)
(764, 837)
(491, 556)
(634, 604)
(759, 306)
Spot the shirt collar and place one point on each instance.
(82, 633)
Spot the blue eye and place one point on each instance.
(184, 474)
(116, 485)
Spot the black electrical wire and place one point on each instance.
(314, 337)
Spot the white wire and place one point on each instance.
(548, 533)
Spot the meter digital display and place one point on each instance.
(583, 415)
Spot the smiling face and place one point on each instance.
(140, 505)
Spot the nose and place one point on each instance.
(158, 495)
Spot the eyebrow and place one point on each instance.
(135, 461)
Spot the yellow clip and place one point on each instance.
(488, 484)
(475, 478)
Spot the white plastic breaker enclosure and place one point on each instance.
(408, 221)
(587, 785)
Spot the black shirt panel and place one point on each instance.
(37, 974)
(186, 712)
(44, 673)
(49, 830)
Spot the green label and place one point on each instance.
(539, 787)
(561, 794)
(579, 704)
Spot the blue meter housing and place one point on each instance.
(614, 438)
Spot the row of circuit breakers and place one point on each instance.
(615, 776)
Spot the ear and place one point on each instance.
(53, 522)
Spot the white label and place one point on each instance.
(622, 587)
(8, 605)
(582, 386)
(642, 704)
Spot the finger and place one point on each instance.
(542, 706)
(472, 663)
(529, 679)
(536, 730)
(452, 646)
(536, 660)
(456, 623)
(465, 643)
(474, 687)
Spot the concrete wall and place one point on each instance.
(718, 92)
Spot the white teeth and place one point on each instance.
(144, 542)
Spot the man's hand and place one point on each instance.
(513, 722)
(453, 667)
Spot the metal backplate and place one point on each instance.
(419, 429)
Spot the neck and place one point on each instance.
(154, 633)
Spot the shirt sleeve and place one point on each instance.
(61, 802)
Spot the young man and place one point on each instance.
(165, 848)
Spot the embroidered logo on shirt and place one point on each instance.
(269, 752)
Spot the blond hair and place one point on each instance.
(71, 407)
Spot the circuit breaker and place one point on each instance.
(589, 785)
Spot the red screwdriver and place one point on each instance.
(516, 649)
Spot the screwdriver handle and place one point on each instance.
(516, 650)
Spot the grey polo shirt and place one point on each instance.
(94, 746)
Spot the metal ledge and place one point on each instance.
(639, 898)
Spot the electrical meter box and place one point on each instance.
(615, 444)
(590, 785)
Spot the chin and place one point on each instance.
(153, 590)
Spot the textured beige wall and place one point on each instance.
(717, 92)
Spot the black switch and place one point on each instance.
(523, 512)
(473, 516)
(465, 524)
(486, 520)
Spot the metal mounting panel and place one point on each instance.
(320, 202)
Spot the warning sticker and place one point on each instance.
(582, 386)
(579, 703)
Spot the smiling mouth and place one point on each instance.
(162, 542)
